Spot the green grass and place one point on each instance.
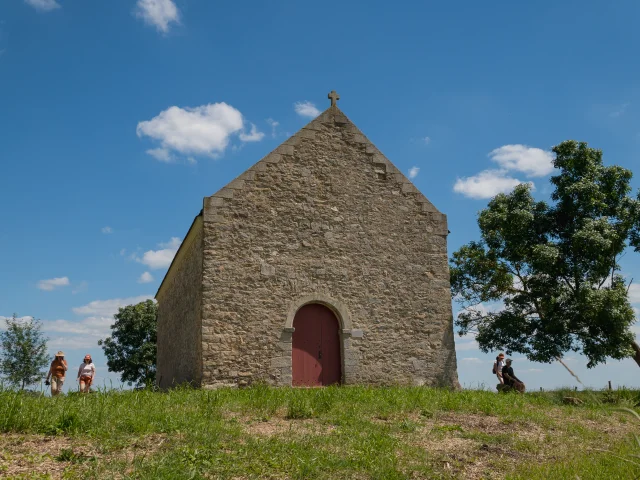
(329, 433)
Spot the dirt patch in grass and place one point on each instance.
(482, 446)
(35, 456)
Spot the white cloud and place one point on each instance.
(426, 140)
(158, 13)
(146, 277)
(203, 130)
(534, 370)
(533, 162)
(620, 110)
(273, 124)
(253, 136)
(471, 360)
(107, 230)
(486, 184)
(413, 172)
(634, 293)
(43, 5)
(95, 325)
(156, 259)
(53, 283)
(174, 242)
(466, 342)
(107, 308)
(306, 109)
(161, 154)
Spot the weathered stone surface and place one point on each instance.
(317, 221)
(180, 341)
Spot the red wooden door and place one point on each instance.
(316, 347)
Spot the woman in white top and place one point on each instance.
(86, 372)
(497, 367)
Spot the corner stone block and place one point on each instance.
(248, 175)
(408, 187)
(273, 157)
(307, 133)
(224, 193)
(391, 168)
(295, 140)
(379, 159)
(237, 184)
(428, 207)
(211, 216)
(399, 177)
(340, 119)
(212, 202)
(285, 150)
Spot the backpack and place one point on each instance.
(493, 370)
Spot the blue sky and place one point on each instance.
(117, 118)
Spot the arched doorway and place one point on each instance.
(316, 347)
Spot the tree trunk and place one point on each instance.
(636, 349)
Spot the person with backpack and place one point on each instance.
(498, 365)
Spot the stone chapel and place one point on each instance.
(321, 264)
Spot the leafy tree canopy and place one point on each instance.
(554, 266)
(23, 352)
(131, 348)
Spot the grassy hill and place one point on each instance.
(329, 433)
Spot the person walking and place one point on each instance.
(498, 365)
(56, 374)
(86, 373)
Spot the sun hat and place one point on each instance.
(60, 354)
(508, 360)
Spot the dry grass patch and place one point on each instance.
(40, 456)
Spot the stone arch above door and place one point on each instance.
(339, 308)
(349, 355)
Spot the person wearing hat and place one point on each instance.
(86, 372)
(498, 365)
(510, 378)
(57, 372)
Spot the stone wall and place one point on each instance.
(326, 216)
(180, 314)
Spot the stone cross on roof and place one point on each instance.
(334, 97)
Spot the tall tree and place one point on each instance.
(554, 266)
(131, 348)
(23, 353)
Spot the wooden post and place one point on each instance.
(609, 384)
(540, 388)
(575, 389)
